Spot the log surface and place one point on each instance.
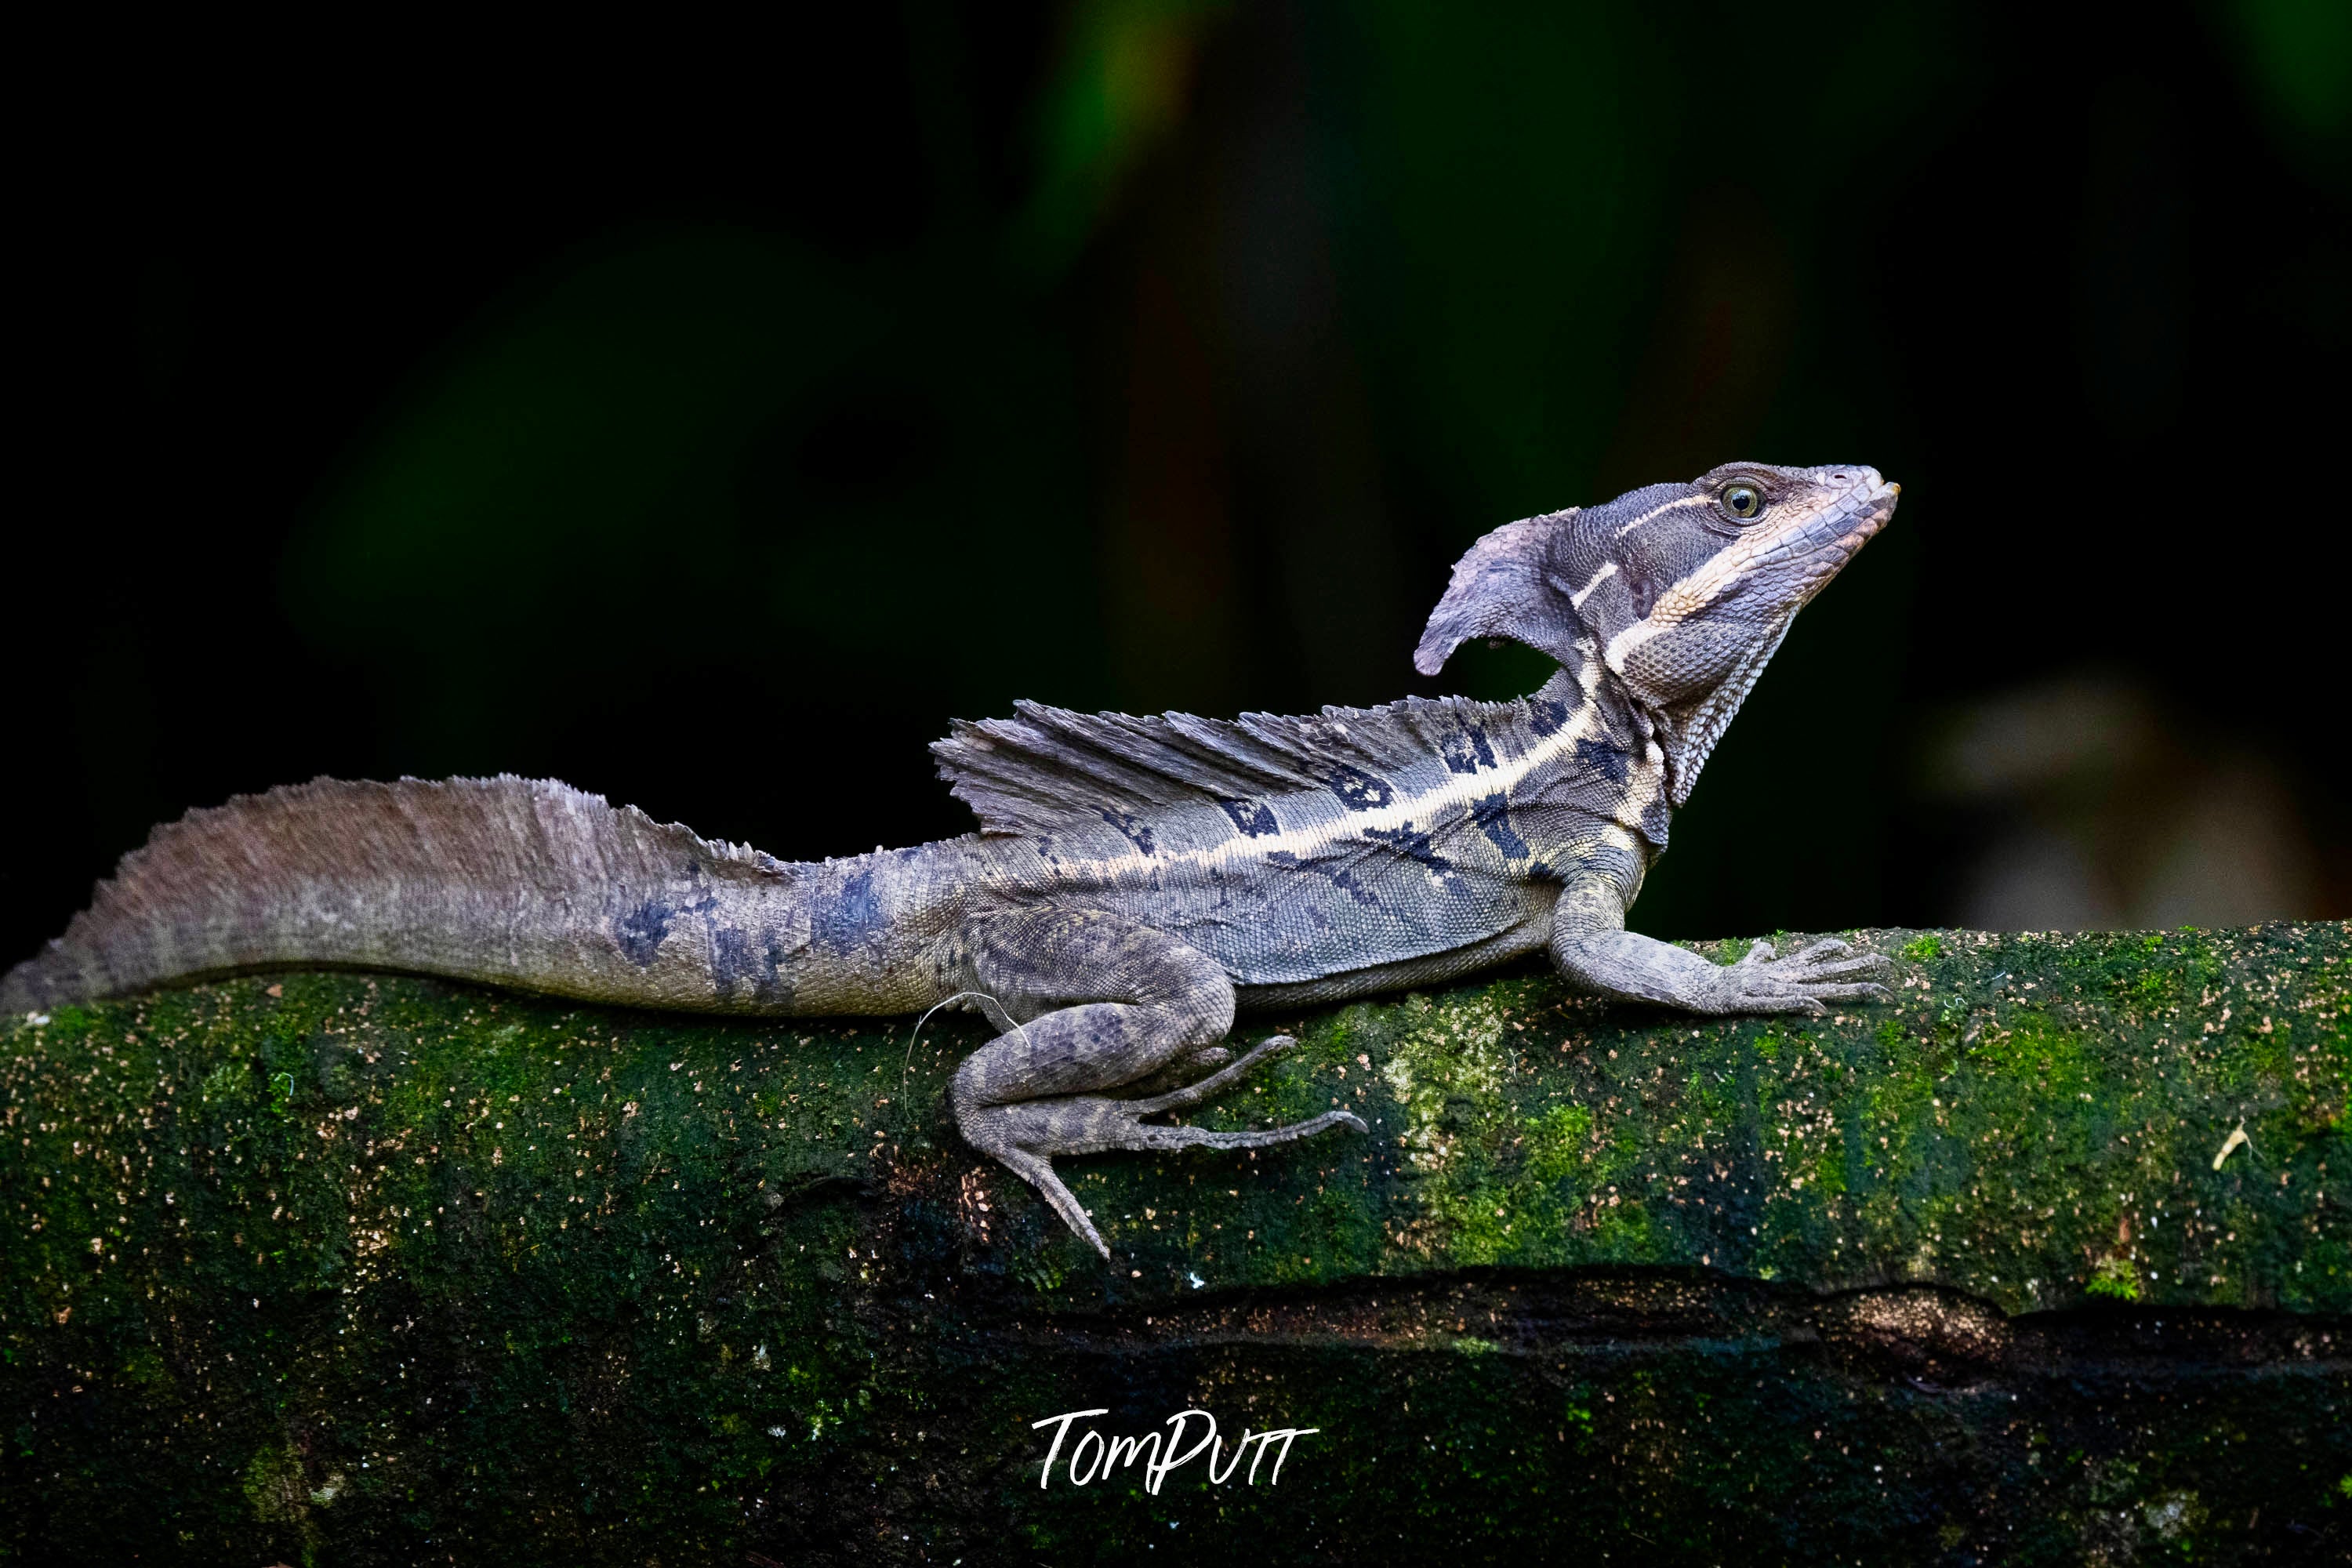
(350, 1268)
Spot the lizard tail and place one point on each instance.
(519, 882)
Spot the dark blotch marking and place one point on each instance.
(845, 920)
(1347, 883)
(1493, 815)
(1545, 717)
(1281, 858)
(1359, 790)
(1466, 750)
(1137, 831)
(1253, 817)
(743, 958)
(639, 933)
(1602, 758)
(1415, 844)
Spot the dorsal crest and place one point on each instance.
(1047, 768)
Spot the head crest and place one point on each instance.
(1681, 591)
(1501, 589)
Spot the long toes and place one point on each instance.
(1865, 992)
(1257, 1056)
(1307, 1129)
(1775, 1002)
(1216, 1083)
(1868, 963)
(1039, 1172)
(1186, 1068)
(1828, 947)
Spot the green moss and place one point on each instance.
(333, 1264)
(2114, 1278)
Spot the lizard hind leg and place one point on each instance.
(1034, 1092)
(1025, 1137)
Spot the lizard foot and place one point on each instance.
(1026, 1135)
(1200, 1061)
(1805, 982)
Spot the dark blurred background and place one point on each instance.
(706, 416)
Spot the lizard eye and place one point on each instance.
(1743, 501)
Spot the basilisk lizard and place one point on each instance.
(1133, 879)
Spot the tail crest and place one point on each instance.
(523, 882)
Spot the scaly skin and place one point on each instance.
(1134, 880)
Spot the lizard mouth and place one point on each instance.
(1870, 503)
(1866, 508)
(1875, 514)
(1858, 516)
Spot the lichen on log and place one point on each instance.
(349, 1268)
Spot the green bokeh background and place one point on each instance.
(708, 417)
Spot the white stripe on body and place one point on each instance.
(1608, 570)
(1308, 840)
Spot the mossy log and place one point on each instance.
(357, 1270)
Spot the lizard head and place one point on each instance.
(1681, 591)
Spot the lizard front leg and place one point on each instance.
(1593, 948)
(1099, 1001)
